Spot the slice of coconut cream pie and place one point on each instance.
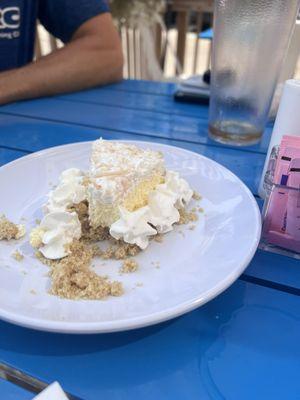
(127, 191)
(121, 175)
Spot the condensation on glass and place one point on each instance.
(250, 42)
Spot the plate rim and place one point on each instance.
(153, 318)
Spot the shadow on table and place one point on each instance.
(120, 360)
(198, 355)
(28, 341)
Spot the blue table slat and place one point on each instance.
(142, 101)
(7, 155)
(242, 345)
(276, 268)
(148, 123)
(158, 104)
(31, 134)
(142, 86)
(9, 391)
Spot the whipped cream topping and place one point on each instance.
(161, 212)
(133, 227)
(110, 159)
(70, 190)
(116, 167)
(178, 188)
(56, 231)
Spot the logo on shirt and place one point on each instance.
(10, 19)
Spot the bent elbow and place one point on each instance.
(106, 65)
(109, 70)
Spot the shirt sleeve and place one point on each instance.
(63, 17)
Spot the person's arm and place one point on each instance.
(92, 57)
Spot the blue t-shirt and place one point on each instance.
(18, 21)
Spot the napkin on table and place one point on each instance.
(52, 392)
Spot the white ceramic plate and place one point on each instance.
(187, 270)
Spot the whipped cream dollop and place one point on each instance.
(133, 227)
(161, 212)
(177, 188)
(56, 231)
(70, 190)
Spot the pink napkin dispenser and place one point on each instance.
(281, 218)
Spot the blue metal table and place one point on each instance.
(242, 345)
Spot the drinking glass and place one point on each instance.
(250, 41)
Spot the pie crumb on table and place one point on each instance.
(158, 238)
(9, 230)
(120, 251)
(17, 255)
(129, 265)
(196, 196)
(187, 216)
(72, 277)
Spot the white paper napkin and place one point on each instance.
(52, 392)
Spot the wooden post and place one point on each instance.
(134, 66)
(182, 24)
(199, 22)
(158, 36)
(128, 52)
